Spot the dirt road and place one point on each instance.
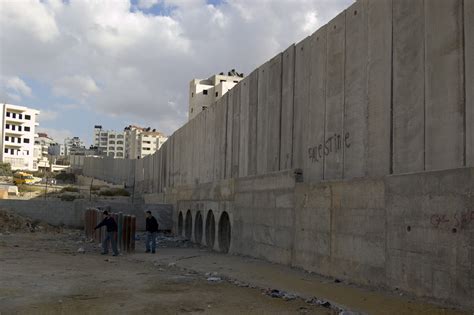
(42, 273)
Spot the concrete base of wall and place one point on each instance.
(414, 232)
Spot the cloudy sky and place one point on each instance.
(120, 62)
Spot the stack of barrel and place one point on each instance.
(126, 228)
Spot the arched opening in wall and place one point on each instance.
(224, 233)
(210, 229)
(188, 225)
(180, 224)
(198, 227)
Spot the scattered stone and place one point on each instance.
(319, 302)
(337, 280)
(274, 293)
(171, 264)
(214, 279)
(81, 250)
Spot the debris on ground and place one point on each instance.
(81, 250)
(12, 222)
(320, 302)
(214, 279)
(275, 293)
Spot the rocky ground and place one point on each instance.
(57, 271)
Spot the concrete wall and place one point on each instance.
(71, 214)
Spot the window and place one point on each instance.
(236, 81)
(120, 136)
(119, 154)
(192, 94)
(7, 138)
(7, 126)
(192, 109)
(26, 140)
(6, 150)
(217, 94)
(146, 149)
(8, 114)
(18, 140)
(111, 142)
(12, 151)
(223, 81)
(20, 116)
(120, 148)
(14, 115)
(27, 128)
(111, 148)
(27, 152)
(13, 127)
(204, 92)
(19, 128)
(119, 142)
(27, 117)
(111, 136)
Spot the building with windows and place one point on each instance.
(41, 150)
(74, 146)
(18, 125)
(202, 93)
(109, 143)
(141, 142)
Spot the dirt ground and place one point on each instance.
(43, 273)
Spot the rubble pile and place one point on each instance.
(11, 222)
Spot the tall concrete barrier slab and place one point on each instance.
(313, 134)
(444, 84)
(244, 135)
(262, 119)
(301, 99)
(253, 111)
(287, 95)
(469, 81)
(334, 160)
(353, 140)
(229, 130)
(379, 94)
(273, 107)
(235, 130)
(220, 139)
(408, 86)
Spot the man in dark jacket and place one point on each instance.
(152, 230)
(111, 225)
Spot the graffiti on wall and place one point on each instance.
(331, 145)
(457, 220)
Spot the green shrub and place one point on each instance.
(115, 192)
(66, 177)
(95, 187)
(28, 188)
(70, 189)
(68, 197)
(5, 169)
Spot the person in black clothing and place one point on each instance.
(111, 225)
(152, 230)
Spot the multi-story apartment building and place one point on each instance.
(202, 93)
(18, 124)
(73, 145)
(141, 142)
(109, 143)
(41, 150)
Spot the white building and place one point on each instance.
(18, 125)
(73, 146)
(202, 93)
(141, 142)
(41, 150)
(109, 143)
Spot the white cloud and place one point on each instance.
(134, 65)
(47, 115)
(75, 87)
(12, 89)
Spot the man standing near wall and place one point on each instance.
(111, 225)
(152, 230)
